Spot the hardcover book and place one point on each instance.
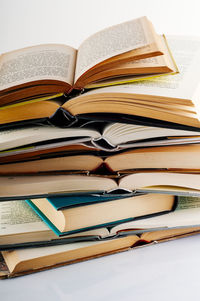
(166, 101)
(115, 53)
(109, 137)
(37, 186)
(179, 159)
(25, 261)
(104, 213)
(21, 227)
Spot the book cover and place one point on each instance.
(57, 232)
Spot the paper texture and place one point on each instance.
(188, 203)
(36, 63)
(186, 52)
(18, 217)
(23, 136)
(179, 218)
(112, 41)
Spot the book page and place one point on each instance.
(166, 234)
(187, 213)
(63, 253)
(18, 217)
(42, 62)
(112, 41)
(161, 181)
(27, 135)
(186, 52)
(188, 202)
(30, 253)
(119, 133)
(52, 184)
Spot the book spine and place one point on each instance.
(63, 118)
(104, 144)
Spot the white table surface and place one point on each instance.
(163, 272)
(167, 271)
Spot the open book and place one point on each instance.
(21, 227)
(36, 186)
(25, 261)
(179, 158)
(114, 53)
(168, 100)
(110, 137)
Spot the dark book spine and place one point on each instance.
(63, 118)
(133, 119)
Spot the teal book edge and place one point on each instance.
(62, 202)
(57, 232)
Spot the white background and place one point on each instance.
(168, 271)
(28, 22)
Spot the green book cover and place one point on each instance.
(57, 232)
(62, 202)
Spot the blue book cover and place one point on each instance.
(62, 202)
(57, 232)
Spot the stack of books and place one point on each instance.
(99, 147)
